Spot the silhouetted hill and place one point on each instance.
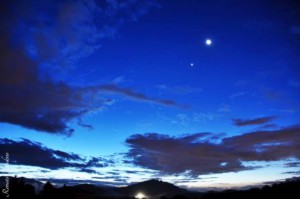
(288, 189)
(81, 191)
(153, 188)
(36, 184)
(104, 191)
(23, 188)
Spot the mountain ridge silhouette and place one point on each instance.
(152, 189)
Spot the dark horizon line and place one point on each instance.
(73, 183)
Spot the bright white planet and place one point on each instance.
(140, 196)
(208, 42)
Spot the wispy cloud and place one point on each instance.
(65, 31)
(224, 108)
(197, 154)
(110, 88)
(292, 172)
(236, 95)
(256, 121)
(293, 164)
(95, 181)
(180, 90)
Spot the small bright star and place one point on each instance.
(192, 64)
(208, 42)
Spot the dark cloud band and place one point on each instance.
(198, 154)
(256, 121)
(29, 153)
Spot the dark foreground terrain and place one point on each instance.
(27, 188)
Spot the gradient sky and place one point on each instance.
(115, 92)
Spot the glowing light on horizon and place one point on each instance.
(140, 196)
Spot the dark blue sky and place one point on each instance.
(129, 90)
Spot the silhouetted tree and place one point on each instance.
(19, 189)
(48, 190)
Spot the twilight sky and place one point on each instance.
(114, 92)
